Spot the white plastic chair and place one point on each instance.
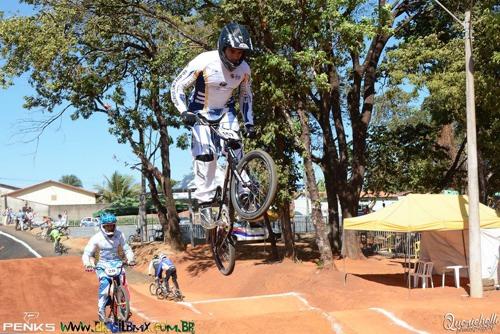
(423, 270)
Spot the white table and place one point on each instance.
(456, 270)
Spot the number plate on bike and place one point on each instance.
(111, 271)
(228, 134)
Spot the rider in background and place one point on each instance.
(107, 240)
(166, 265)
(153, 265)
(215, 76)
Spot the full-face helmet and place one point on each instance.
(234, 36)
(108, 224)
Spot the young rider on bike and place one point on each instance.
(55, 235)
(107, 240)
(163, 263)
(215, 75)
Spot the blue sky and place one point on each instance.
(83, 147)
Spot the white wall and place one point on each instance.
(54, 195)
(304, 206)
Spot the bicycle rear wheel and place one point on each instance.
(222, 244)
(253, 197)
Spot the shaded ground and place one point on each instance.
(369, 296)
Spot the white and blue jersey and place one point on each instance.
(213, 87)
(108, 248)
(165, 264)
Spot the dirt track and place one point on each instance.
(258, 298)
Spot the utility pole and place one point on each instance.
(476, 283)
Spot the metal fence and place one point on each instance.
(393, 244)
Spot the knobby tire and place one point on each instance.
(267, 194)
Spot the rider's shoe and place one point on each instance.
(206, 217)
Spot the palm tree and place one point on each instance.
(118, 187)
(72, 180)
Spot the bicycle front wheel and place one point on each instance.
(122, 304)
(254, 194)
(152, 288)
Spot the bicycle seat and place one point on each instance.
(203, 120)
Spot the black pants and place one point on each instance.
(171, 272)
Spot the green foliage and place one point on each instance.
(405, 158)
(129, 206)
(431, 57)
(71, 179)
(118, 188)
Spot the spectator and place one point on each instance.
(64, 218)
(29, 218)
(20, 220)
(12, 216)
(47, 224)
(60, 222)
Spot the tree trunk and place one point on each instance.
(171, 228)
(284, 204)
(142, 208)
(317, 217)
(333, 214)
(350, 245)
(142, 197)
(447, 140)
(286, 231)
(272, 239)
(160, 208)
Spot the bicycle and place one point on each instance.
(172, 294)
(64, 230)
(119, 298)
(44, 234)
(56, 236)
(60, 248)
(137, 237)
(250, 184)
(154, 286)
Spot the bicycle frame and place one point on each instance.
(221, 196)
(113, 287)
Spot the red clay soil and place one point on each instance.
(258, 297)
